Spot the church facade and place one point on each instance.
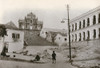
(30, 22)
(31, 27)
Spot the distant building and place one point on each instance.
(32, 27)
(30, 22)
(44, 31)
(61, 39)
(15, 39)
(56, 36)
(85, 29)
(50, 36)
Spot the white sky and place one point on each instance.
(51, 12)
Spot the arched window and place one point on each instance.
(94, 33)
(88, 21)
(72, 27)
(80, 25)
(99, 18)
(79, 36)
(83, 23)
(75, 37)
(94, 19)
(72, 37)
(99, 32)
(88, 35)
(83, 35)
(75, 26)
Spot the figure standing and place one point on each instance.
(53, 57)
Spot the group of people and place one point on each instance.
(37, 58)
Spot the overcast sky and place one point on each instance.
(51, 12)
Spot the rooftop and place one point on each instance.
(9, 25)
(86, 13)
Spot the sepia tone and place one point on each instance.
(33, 43)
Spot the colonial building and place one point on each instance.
(44, 31)
(14, 40)
(85, 28)
(55, 36)
(30, 22)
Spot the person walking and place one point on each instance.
(53, 57)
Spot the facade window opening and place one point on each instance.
(80, 25)
(31, 21)
(94, 19)
(20, 25)
(83, 23)
(88, 36)
(18, 36)
(46, 32)
(65, 39)
(75, 37)
(13, 35)
(75, 26)
(94, 33)
(88, 22)
(79, 36)
(99, 18)
(99, 32)
(72, 27)
(72, 37)
(59, 37)
(83, 35)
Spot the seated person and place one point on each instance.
(37, 58)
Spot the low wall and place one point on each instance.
(15, 46)
(95, 42)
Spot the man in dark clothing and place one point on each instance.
(53, 57)
(4, 51)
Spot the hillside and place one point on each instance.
(33, 38)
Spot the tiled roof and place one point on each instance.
(9, 25)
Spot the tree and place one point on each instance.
(3, 31)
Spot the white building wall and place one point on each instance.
(90, 28)
(60, 40)
(14, 45)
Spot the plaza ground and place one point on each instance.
(60, 63)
